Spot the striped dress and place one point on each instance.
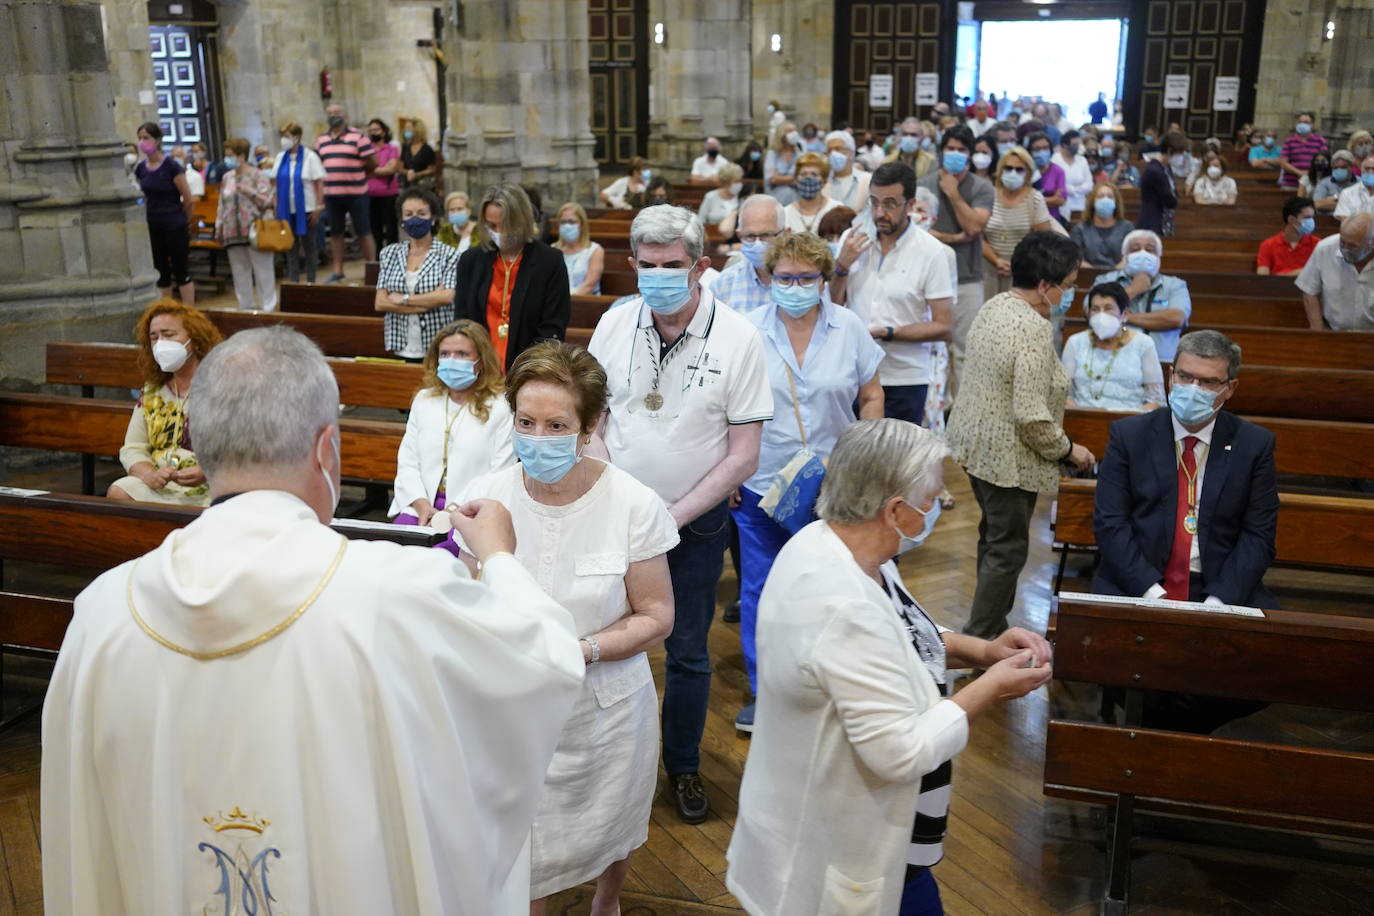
(343, 157)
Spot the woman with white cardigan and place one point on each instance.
(459, 427)
(856, 725)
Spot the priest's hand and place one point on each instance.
(485, 526)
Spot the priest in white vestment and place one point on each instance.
(261, 716)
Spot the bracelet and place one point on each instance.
(891, 334)
(1069, 452)
(595, 647)
(841, 271)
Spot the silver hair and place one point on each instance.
(1212, 345)
(1141, 234)
(754, 200)
(930, 199)
(259, 399)
(875, 460)
(664, 225)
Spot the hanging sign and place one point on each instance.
(880, 90)
(1176, 86)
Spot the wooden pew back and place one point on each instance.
(1268, 346)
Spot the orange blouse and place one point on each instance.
(503, 274)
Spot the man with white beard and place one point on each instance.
(262, 716)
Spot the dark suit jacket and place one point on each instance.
(540, 303)
(1136, 504)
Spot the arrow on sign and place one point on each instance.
(1226, 101)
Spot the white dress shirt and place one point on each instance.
(1200, 451)
(1078, 180)
(1347, 295)
(704, 167)
(1352, 200)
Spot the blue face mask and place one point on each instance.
(408, 134)
(665, 289)
(909, 144)
(1060, 308)
(754, 251)
(954, 161)
(547, 459)
(457, 374)
(838, 161)
(1303, 128)
(645, 175)
(1105, 207)
(755, 155)
(1340, 176)
(458, 220)
(1142, 262)
(1004, 148)
(910, 542)
(796, 300)
(417, 227)
(1191, 404)
(231, 162)
(569, 232)
(1013, 181)
(1041, 158)
(1368, 179)
(1307, 226)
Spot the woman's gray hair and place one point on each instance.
(1210, 345)
(1158, 243)
(875, 460)
(928, 197)
(754, 201)
(664, 225)
(258, 401)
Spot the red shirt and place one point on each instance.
(1276, 254)
(502, 287)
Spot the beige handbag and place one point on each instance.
(271, 235)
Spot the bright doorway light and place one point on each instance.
(1068, 61)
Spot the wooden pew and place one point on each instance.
(1245, 286)
(1307, 447)
(1280, 657)
(1270, 346)
(357, 301)
(1315, 394)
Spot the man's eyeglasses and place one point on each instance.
(1210, 384)
(759, 236)
(787, 281)
(888, 204)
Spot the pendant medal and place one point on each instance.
(653, 401)
(502, 330)
(1190, 523)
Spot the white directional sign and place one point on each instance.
(1176, 86)
(880, 90)
(1226, 94)
(927, 88)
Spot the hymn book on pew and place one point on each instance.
(1164, 604)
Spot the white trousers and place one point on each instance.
(255, 281)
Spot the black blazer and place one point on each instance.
(1136, 504)
(540, 304)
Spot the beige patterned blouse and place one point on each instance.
(1007, 424)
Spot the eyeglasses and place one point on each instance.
(1210, 384)
(787, 281)
(1018, 169)
(887, 204)
(759, 236)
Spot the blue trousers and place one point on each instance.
(921, 897)
(695, 565)
(905, 402)
(760, 539)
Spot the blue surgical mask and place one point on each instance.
(755, 155)
(927, 143)
(457, 374)
(1368, 179)
(1104, 207)
(417, 227)
(1268, 141)
(569, 232)
(1013, 181)
(954, 161)
(1004, 148)
(1191, 404)
(645, 175)
(754, 251)
(1340, 176)
(408, 135)
(1307, 226)
(1041, 158)
(908, 144)
(1060, 308)
(547, 459)
(1142, 262)
(796, 300)
(231, 162)
(910, 542)
(1303, 128)
(834, 249)
(458, 220)
(665, 289)
(838, 161)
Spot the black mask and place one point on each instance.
(712, 153)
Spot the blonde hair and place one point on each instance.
(451, 196)
(517, 216)
(566, 365)
(583, 230)
(489, 382)
(1018, 152)
(729, 173)
(813, 160)
(805, 247)
(418, 130)
(290, 127)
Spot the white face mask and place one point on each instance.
(170, 355)
(1214, 172)
(287, 144)
(329, 479)
(1105, 325)
(495, 238)
(736, 188)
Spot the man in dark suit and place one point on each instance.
(1187, 508)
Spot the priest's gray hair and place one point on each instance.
(663, 225)
(258, 401)
(875, 460)
(1210, 344)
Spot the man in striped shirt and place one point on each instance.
(1298, 150)
(348, 159)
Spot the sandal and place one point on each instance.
(946, 499)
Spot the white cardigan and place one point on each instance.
(849, 720)
(474, 448)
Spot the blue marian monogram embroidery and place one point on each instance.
(244, 888)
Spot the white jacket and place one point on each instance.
(474, 448)
(849, 720)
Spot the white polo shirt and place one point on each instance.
(1352, 200)
(894, 291)
(1347, 295)
(710, 379)
(703, 167)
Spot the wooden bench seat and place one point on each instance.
(306, 299)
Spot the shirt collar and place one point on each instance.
(1204, 435)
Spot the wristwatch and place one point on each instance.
(405, 299)
(891, 334)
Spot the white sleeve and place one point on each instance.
(1344, 206)
(410, 486)
(935, 279)
(750, 397)
(1310, 280)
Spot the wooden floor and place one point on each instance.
(1009, 850)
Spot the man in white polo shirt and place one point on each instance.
(1359, 195)
(894, 276)
(689, 394)
(1338, 282)
(706, 167)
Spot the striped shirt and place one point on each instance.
(932, 804)
(343, 162)
(1299, 150)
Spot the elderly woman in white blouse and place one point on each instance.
(596, 539)
(856, 722)
(459, 426)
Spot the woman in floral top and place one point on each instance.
(173, 339)
(246, 194)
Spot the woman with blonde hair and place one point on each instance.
(420, 165)
(458, 229)
(459, 426)
(584, 259)
(1017, 210)
(779, 165)
(161, 467)
(719, 203)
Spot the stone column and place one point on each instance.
(519, 100)
(700, 83)
(1351, 78)
(131, 73)
(76, 263)
(800, 76)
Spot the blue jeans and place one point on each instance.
(921, 897)
(695, 565)
(905, 402)
(760, 539)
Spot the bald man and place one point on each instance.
(706, 167)
(1338, 282)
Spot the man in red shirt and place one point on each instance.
(1286, 254)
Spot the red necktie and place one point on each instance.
(1176, 574)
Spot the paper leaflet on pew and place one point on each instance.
(1165, 604)
(19, 491)
(389, 526)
